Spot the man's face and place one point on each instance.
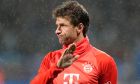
(65, 31)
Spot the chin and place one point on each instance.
(66, 42)
(63, 43)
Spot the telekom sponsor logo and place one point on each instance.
(71, 78)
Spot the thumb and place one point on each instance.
(75, 58)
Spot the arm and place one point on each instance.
(47, 71)
(49, 68)
(109, 75)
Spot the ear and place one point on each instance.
(80, 28)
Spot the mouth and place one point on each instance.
(59, 37)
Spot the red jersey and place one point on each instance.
(92, 67)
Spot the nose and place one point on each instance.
(58, 30)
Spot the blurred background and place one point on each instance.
(27, 35)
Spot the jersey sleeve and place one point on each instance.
(109, 72)
(47, 71)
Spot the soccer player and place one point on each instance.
(78, 62)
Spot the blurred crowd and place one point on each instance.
(27, 33)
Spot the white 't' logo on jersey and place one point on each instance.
(71, 78)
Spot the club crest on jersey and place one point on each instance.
(87, 67)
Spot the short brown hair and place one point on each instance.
(75, 11)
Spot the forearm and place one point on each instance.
(46, 76)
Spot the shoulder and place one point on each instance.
(53, 54)
(103, 59)
(101, 56)
(51, 57)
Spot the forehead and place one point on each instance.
(62, 20)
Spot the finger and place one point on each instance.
(59, 63)
(61, 58)
(65, 61)
(71, 48)
(66, 64)
(68, 57)
(75, 58)
(65, 52)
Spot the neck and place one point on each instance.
(79, 38)
(81, 46)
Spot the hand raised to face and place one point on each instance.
(67, 58)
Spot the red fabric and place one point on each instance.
(92, 67)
